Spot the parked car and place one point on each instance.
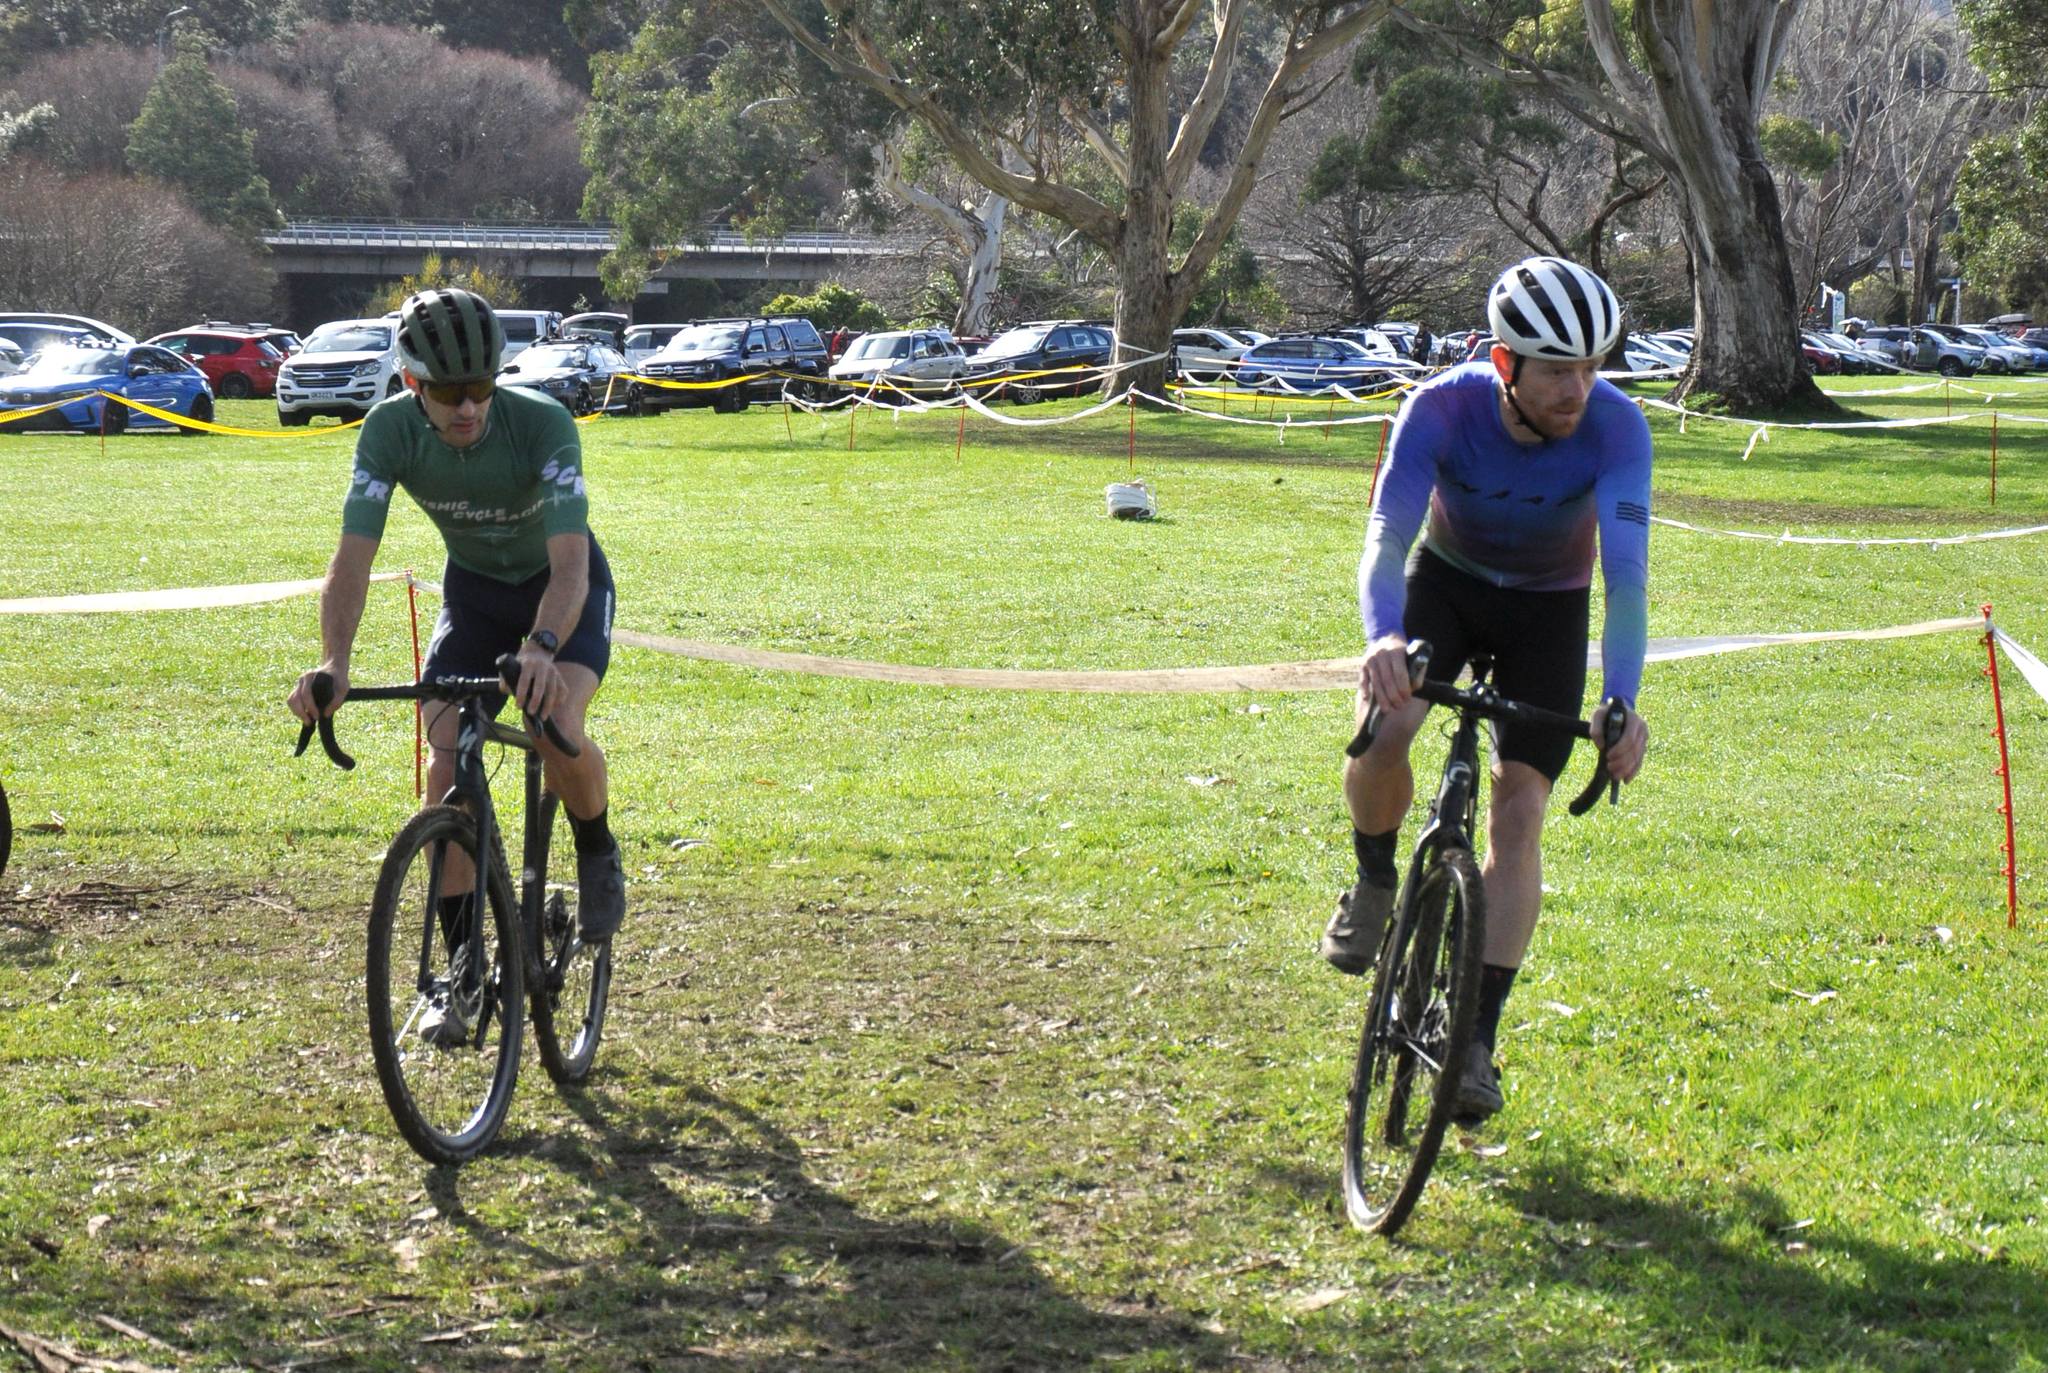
(106, 332)
(1206, 355)
(577, 372)
(1857, 355)
(1647, 353)
(1950, 356)
(606, 326)
(1820, 359)
(238, 365)
(766, 353)
(33, 338)
(1308, 362)
(524, 328)
(1073, 348)
(1897, 345)
(347, 366)
(2017, 357)
(76, 373)
(284, 340)
(642, 341)
(925, 361)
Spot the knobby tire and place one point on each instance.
(449, 1103)
(1419, 1023)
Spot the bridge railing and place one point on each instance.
(575, 237)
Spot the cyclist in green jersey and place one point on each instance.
(500, 473)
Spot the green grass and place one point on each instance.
(979, 1035)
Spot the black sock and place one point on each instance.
(1376, 857)
(593, 835)
(455, 920)
(1493, 994)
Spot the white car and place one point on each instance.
(346, 367)
(1205, 356)
(922, 361)
(643, 341)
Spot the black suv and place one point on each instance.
(766, 351)
(1042, 347)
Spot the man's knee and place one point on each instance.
(1515, 815)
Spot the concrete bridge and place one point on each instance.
(322, 257)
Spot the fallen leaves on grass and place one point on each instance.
(1318, 1299)
(1810, 998)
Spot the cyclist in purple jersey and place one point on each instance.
(1525, 466)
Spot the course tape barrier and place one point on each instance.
(175, 598)
(2030, 667)
(187, 422)
(1836, 540)
(1760, 429)
(8, 416)
(1319, 674)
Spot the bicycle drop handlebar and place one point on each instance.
(1484, 701)
(445, 689)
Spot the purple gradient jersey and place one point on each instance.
(1522, 516)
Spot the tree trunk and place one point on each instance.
(1708, 66)
(1150, 296)
(984, 269)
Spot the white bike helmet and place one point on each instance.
(1546, 307)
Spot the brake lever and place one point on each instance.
(508, 672)
(1418, 670)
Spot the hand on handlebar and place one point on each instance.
(1387, 676)
(1625, 756)
(301, 702)
(538, 688)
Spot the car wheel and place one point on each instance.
(235, 386)
(202, 410)
(113, 419)
(729, 400)
(1024, 393)
(292, 419)
(395, 385)
(1251, 381)
(636, 398)
(583, 402)
(1949, 367)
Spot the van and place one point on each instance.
(524, 328)
(643, 341)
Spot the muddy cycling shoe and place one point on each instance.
(1478, 1088)
(452, 1007)
(1352, 939)
(600, 894)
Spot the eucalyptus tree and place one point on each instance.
(1684, 82)
(2002, 198)
(1108, 105)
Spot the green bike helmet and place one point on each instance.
(449, 335)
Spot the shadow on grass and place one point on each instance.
(731, 1250)
(1748, 1274)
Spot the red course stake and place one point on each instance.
(2011, 869)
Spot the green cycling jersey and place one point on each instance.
(496, 502)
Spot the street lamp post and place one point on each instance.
(163, 34)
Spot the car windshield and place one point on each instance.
(546, 357)
(77, 362)
(349, 338)
(1011, 342)
(877, 346)
(707, 338)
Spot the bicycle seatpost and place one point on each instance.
(1418, 669)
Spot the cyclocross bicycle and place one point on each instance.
(449, 1091)
(1424, 1003)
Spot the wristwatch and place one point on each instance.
(547, 640)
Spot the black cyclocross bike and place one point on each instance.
(1424, 1003)
(445, 987)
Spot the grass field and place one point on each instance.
(984, 1030)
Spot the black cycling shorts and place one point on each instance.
(1537, 640)
(483, 618)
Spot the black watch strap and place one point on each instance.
(547, 640)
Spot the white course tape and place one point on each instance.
(1283, 425)
(174, 598)
(1838, 540)
(2030, 667)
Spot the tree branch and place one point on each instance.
(1201, 116)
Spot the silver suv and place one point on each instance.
(918, 360)
(346, 367)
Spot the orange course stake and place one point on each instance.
(2011, 870)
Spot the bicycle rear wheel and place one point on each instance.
(448, 1100)
(6, 830)
(1418, 1026)
(572, 980)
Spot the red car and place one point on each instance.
(239, 362)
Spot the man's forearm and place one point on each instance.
(561, 605)
(341, 602)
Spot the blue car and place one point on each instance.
(73, 374)
(1313, 363)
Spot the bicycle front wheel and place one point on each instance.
(571, 980)
(1418, 1027)
(444, 1023)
